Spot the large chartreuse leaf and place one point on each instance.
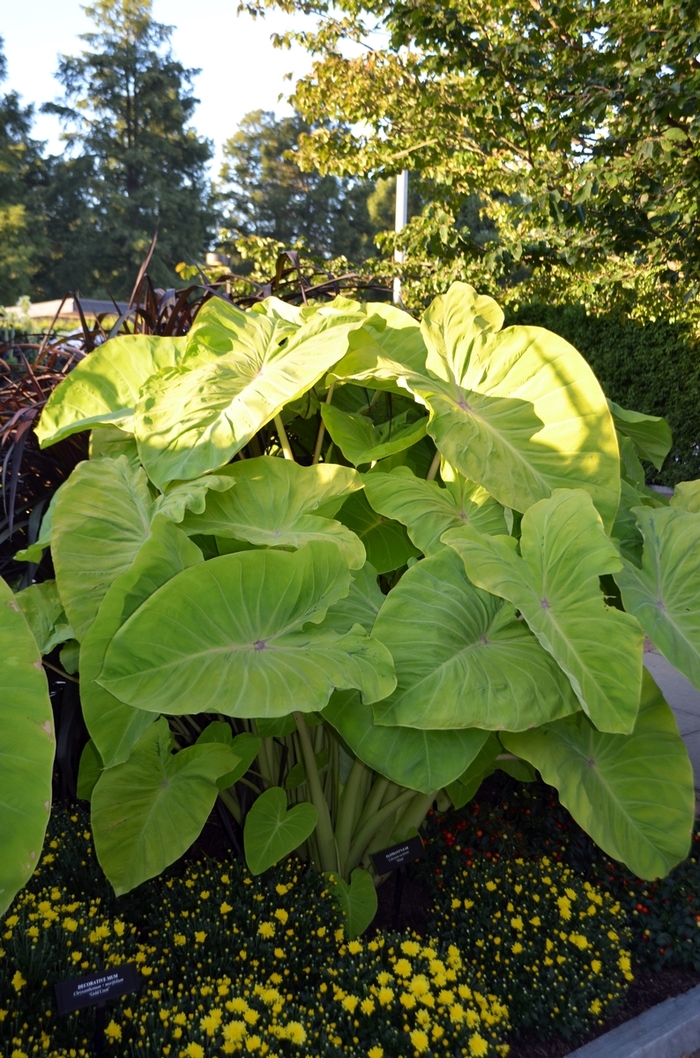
(102, 517)
(26, 750)
(276, 503)
(245, 746)
(183, 496)
(650, 435)
(462, 659)
(271, 831)
(43, 610)
(686, 495)
(518, 411)
(385, 541)
(664, 595)
(420, 760)
(114, 727)
(147, 811)
(240, 635)
(194, 418)
(110, 442)
(103, 389)
(220, 328)
(384, 351)
(555, 586)
(361, 441)
(633, 794)
(427, 510)
(360, 606)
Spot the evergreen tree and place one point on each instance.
(20, 166)
(137, 163)
(262, 191)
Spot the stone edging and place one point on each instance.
(667, 1030)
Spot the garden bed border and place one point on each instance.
(668, 1030)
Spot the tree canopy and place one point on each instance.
(135, 163)
(576, 124)
(19, 177)
(262, 191)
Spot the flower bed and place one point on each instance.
(663, 916)
(230, 964)
(516, 944)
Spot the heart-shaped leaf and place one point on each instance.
(147, 811)
(519, 412)
(427, 510)
(114, 726)
(462, 659)
(360, 606)
(650, 435)
(242, 635)
(245, 746)
(686, 495)
(271, 831)
(555, 586)
(633, 794)
(663, 594)
(103, 389)
(26, 750)
(102, 518)
(385, 541)
(43, 610)
(195, 417)
(356, 900)
(424, 761)
(277, 503)
(361, 441)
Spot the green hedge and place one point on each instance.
(650, 367)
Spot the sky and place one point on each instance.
(240, 69)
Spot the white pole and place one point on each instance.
(399, 223)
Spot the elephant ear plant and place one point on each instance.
(329, 564)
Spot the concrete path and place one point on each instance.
(683, 698)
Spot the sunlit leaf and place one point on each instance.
(26, 750)
(277, 503)
(194, 418)
(462, 658)
(428, 510)
(241, 635)
(633, 794)
(519, 412)
(663, 594)
(555, 586)
(147, 811)
(103, 389)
